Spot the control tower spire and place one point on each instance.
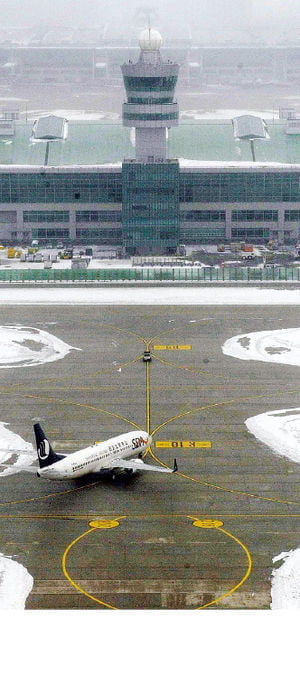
(150, 107)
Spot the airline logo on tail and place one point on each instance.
(43, 449)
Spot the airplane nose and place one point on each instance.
(149, 439)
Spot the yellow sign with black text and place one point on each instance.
(172, 347)
(185, 444)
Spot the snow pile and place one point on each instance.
(21, 346)
(142, 295)
(12, 445)
(280, 346)
(280, 430)
(227, 114)
(15, 584)
(285, 590)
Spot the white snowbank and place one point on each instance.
(280, 346)
(15, 581)
(148, 295)
(15, 584)
(280, 430)
(75, 114)
(227, 113)
(11, 446)
(22, 346)
(285, 588)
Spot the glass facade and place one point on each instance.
(50, 233)
(199, 234)
(64, 187)
(46, 217)
(202, 215)
(252, 215)
(292, 215)
(105, 236)
(240, 187)
(84, 206)
(150, 83)
(151, 116)
(101, 215)
(150, 217)
(250, 234)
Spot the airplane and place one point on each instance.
(110, 455)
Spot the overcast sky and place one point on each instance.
(201, 18)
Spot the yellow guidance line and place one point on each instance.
(242, 581)
(207, 484)
(67, 575)
(218, 525)
(106, 524)
(148, 403)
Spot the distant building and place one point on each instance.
(150, 203)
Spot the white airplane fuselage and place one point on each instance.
(99, 456)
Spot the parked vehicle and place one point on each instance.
(67, 254)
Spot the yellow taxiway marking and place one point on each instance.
(186, 444)
(208, 484)
(66, 573)
(51, 494)
(148, 403)
(212, 406)
(103, 523)
(243, 579)
(200, 523)
(186, 368)
(83, 517)
(172, 347)
(207, 523)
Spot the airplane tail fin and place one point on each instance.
(46, 454)
(175, 467)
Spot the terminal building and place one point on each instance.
(152, 201)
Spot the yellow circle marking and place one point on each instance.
(208, 523)
(101, 523)
(201, 523)
(76, 585)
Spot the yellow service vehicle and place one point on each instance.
(13, 252)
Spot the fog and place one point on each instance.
(207, 21)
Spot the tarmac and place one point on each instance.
(202, 538)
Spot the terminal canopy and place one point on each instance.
(49, 127)
(249, 127)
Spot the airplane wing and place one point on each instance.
(139, 465)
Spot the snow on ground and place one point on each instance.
(14, 449)
(22, 346)
(280, 430)
(148, 296)
(285, 590)
(227, 113)
(75, 114)
(216, 114)
(280, 346)
(15, 581)
(15, 584)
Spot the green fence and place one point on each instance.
(173, 274)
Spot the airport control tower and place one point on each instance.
(150, 181)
